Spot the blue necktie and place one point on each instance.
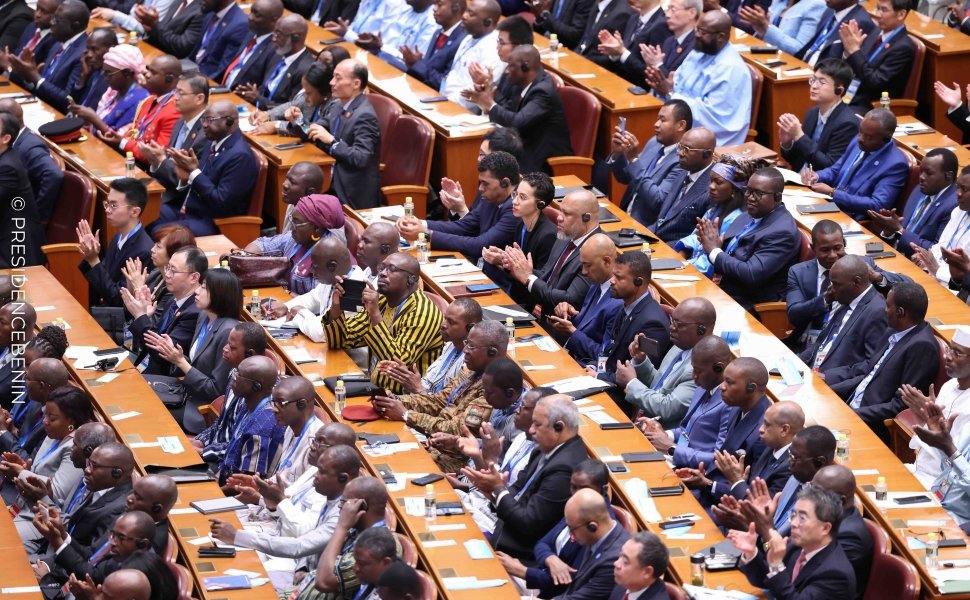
(167, 317)
(183, 133)
(737, 239)
(819, 126)
(848, 173)
(919, 214)
(786, 502)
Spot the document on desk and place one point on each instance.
(451, 266)
(299, 354)
(578, 384)
(470, 583)
(636, 490)
(675, 277)
(599, 417)
(806, 193)
(703, 593)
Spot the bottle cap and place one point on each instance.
(254, 293)
(881, 480)
(697, 558)
(931, 536)
(129, 155)
(509, 321)
(340, 383)
(420, 236)
(429, 488)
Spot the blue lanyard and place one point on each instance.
(96, 557)
(885, 43)
(510, 464)
(296, 444)
(397, 311)
(77, 496)
(122, 240)
(295, 500)
(148, 120)
(452, 356)
(203, 332)
(208, 33)
(522, 237)
(459, 388)
(949, 245)
(18, 414)
(821, 37)
(301, 259)
(274, 80)
(24, 438)
(50, 451)
(326, 509)
(733, 244)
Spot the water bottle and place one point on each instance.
(224, 263)
(932, 560)
(59, 322)
(842, 449)
(422, 249)
(408, 207)
(430, 504)
(554, 50)
(882, 490)
(129, 165)
(254, 304)
(646, 250)
(339, 396)
(697, 569)
(510, 330)
(133, 38)
(884, 101)
(302, 124)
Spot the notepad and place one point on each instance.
(216, 505)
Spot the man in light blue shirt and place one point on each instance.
(789, 28)
(373, 17)
(412, 28)
(952, 487)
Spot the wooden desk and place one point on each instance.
(16, 572)
(918, 145)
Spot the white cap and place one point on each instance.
(962, 336)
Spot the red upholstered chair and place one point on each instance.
(406, 171)
(625, 519)
(675, 592)
(409, 553)
(75, 202)
(184, 579)
(440, 302)
(352, 232)
(583, 115)
(388, 111)
(805, 250)
(171, 549)
(757, 81)
(556, 79)
(880, 541)
(912, 180)
(891, 578)
(211, 411)
(428, 589)
(243, 229)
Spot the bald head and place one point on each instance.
(700, 310)
(333, 258)
(849, 278)
(490, 9)
(293, 24)
(788, 413)
(838, 479)
(716, 21)
(852, 265)
(339, 434)
(700, 137)
(385, 233)
(8, 105)
(585, 201)
(48, 371)
(157, 490)
(300, 386)
(598, 245)
(526, 54)
(126, 584)
(93, 434)
(715, 349)
(589, 506)
(753, 370)
(17, 322)
(262, 370)
(371, 490)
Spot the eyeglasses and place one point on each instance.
(120, 537)
(209, 120)
(798, 517)
(108, 73)
(393, 269)
(817, 81)
(95, 465)
(111, 206)
(319, 443)
(757, 194)
(679, 324)
(170, 270)
(282, 403)
(956, 353)
(237, 375)
(682, 149)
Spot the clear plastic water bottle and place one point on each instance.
(133, 38)
(646, 250)
(59, 322)
(697, 569)
(430, 504)
(882, 490)
(932, 560)
(554, 50)
(339, 396)
(422, 249)
(302, 124)
(884, 101)
(510, 330)
(408, 207)
(842, 449)
(254, 304)
(129, 165)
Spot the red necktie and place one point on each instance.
(554, 276)
(33, 41)
(798, 565)
(440, 42)
(233, 64)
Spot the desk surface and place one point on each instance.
(16, 572)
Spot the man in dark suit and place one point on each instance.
(640, 314)
(643, 561)
(810, 565)
(827, 43)
(881, 60)
(25, 433)
(911, 355)
(855, 325)
(807, 302)
(928, 208)
(957, 112)
(219, 181)
(536, 112)
(178, 31)
(37, 35)
(830, 125)
(91, 84)
(560, 280)
(45, 175)
(782, 422)
(565, 18)
(647, 171)
(21, 235)
(528, 508)
(130, 532)
(50, 81)
(489, 223)
(430, 67)
(759, 247)
(620, 50)
(588, 519)
(177, 320)
(853, 534)
(685, 194)
(612, 17)
(323, 11)
(257, 52)
(284, 72)
(223, 33)
(15, 16)
(350, 133)
(743, 392)
(124, 204)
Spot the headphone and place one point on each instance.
(524, 66)
(342, 478)
(156, 508)
(509, 392)
(249, 353)
(487, 22)
(750, 388)
(301, 404)
(701, 329)
(587, 217)
(294, 37)
(638, 281)
(412, 280)
(557, 426)
(839, 90)
(492, 351)
(332, 266)
(818, 461)
(230, 121)
(718, 367)
(469, 326)
(141, 544)
(900, 311)
(948, 175)
(385, 249)
(592, 526)
(504, 183)
(540, 204)
(257, 386)
(116, 473)
(169, 78)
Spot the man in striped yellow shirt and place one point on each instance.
(398, 321)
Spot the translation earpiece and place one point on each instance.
(141, 544)
(257, 386)
(342, 478)
(491, 351)
(301, 404)
(592, 526)
(385, 249)
(587, 217)
(638, 281)
(116, 473)
(557, 426)
(701, 329)
(156, 508)
(504, 183)
(509, 392)
(249, 353)
(487, 22)
(540, 204)
(718, 367)
(332, 266)
(750, 388)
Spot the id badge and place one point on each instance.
(819, 359)
(811, 336)
(601, 365)
(850, 93)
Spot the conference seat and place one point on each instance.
(243, 229)
(774, 316)
(438, 301)
(891, 578)
(757, 82)
(625, 519)
(428, 589)
(406, 171)
(675, 592)
(184, 580)
(552, 213)
(352, 232)
(556, 79)
(805, 249)
(74, 203)
(171, 550)
(901, 426)
(906, 106)
(211, 411)
(409, 552)
(388, 111)
(912, 180)
(880, 541)
(582, 111)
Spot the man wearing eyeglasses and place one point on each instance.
(123, 206)
(399, 321)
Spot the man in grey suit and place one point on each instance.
(350, 133)
(589, 521)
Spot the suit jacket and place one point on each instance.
(774, 471)
(289, 85)
(656, 591)
(838, 132)
(569, 25)
(675, 52)
(540, 121)
(77, 559)
(222, 189)
(742, 435)
(571, 553)
(644, 180)
(669, 400)
(91, 92)
(570, 286)
(857, 544)
(915, 360)
(486, 224)
(653, 33)
(209, 375)
(613, 18)
(929, 228)
(332, 10)
(158, 116)
(757, 270)
(15, 191)
(436, 62)
(14, 17)
(105, 278)
(646, 317)
(702, 429)
(677, 217)
(832, 46)
(538, 243)
(959, 118)
(863, 333)
(224, 40)
(257, 66)
(592, 323)
(357, 172)
(30, 426)
(44, 47)
(65, 68)
(178, 34)
(180, 328)
(875, 183)
(827, 575)
(92, 519)
(165, 174)
(594, 578)
(887, 72)
(45, 175)
(522, 522)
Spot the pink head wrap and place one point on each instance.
(125, 56)
(323, 210)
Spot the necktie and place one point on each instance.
(834, 323)
(921, 210)
(33, 41)
(737, 239)
(819, 126)
(847, 175)
(231, 70)
(697, 411)
(567, 251)
(786, 501)
(50, 67)
(180, 8)
(860, 389)
(636, 31)
(440, 42)
(559, 6)
(180, 138)
(167, 317)
(826, 282)
(802, 559)
(273, 82)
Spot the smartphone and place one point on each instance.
(953, 543)
(628, 232)
(668, 490)
(911, 499)
(216, 552)
(108, 351)
(429, 478)
(637, 90)
(617, 467)
(219, 89)
(648, 346)
(434, 99)
(529, 338)
(289, 146)
(622, 124)
(675, 523)
(635, 457)
(441, 257)
(763, 49)
(331, 41)
(481, 287)
(388, 476)
(622, 425)
(375, 392)
(873, 247)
